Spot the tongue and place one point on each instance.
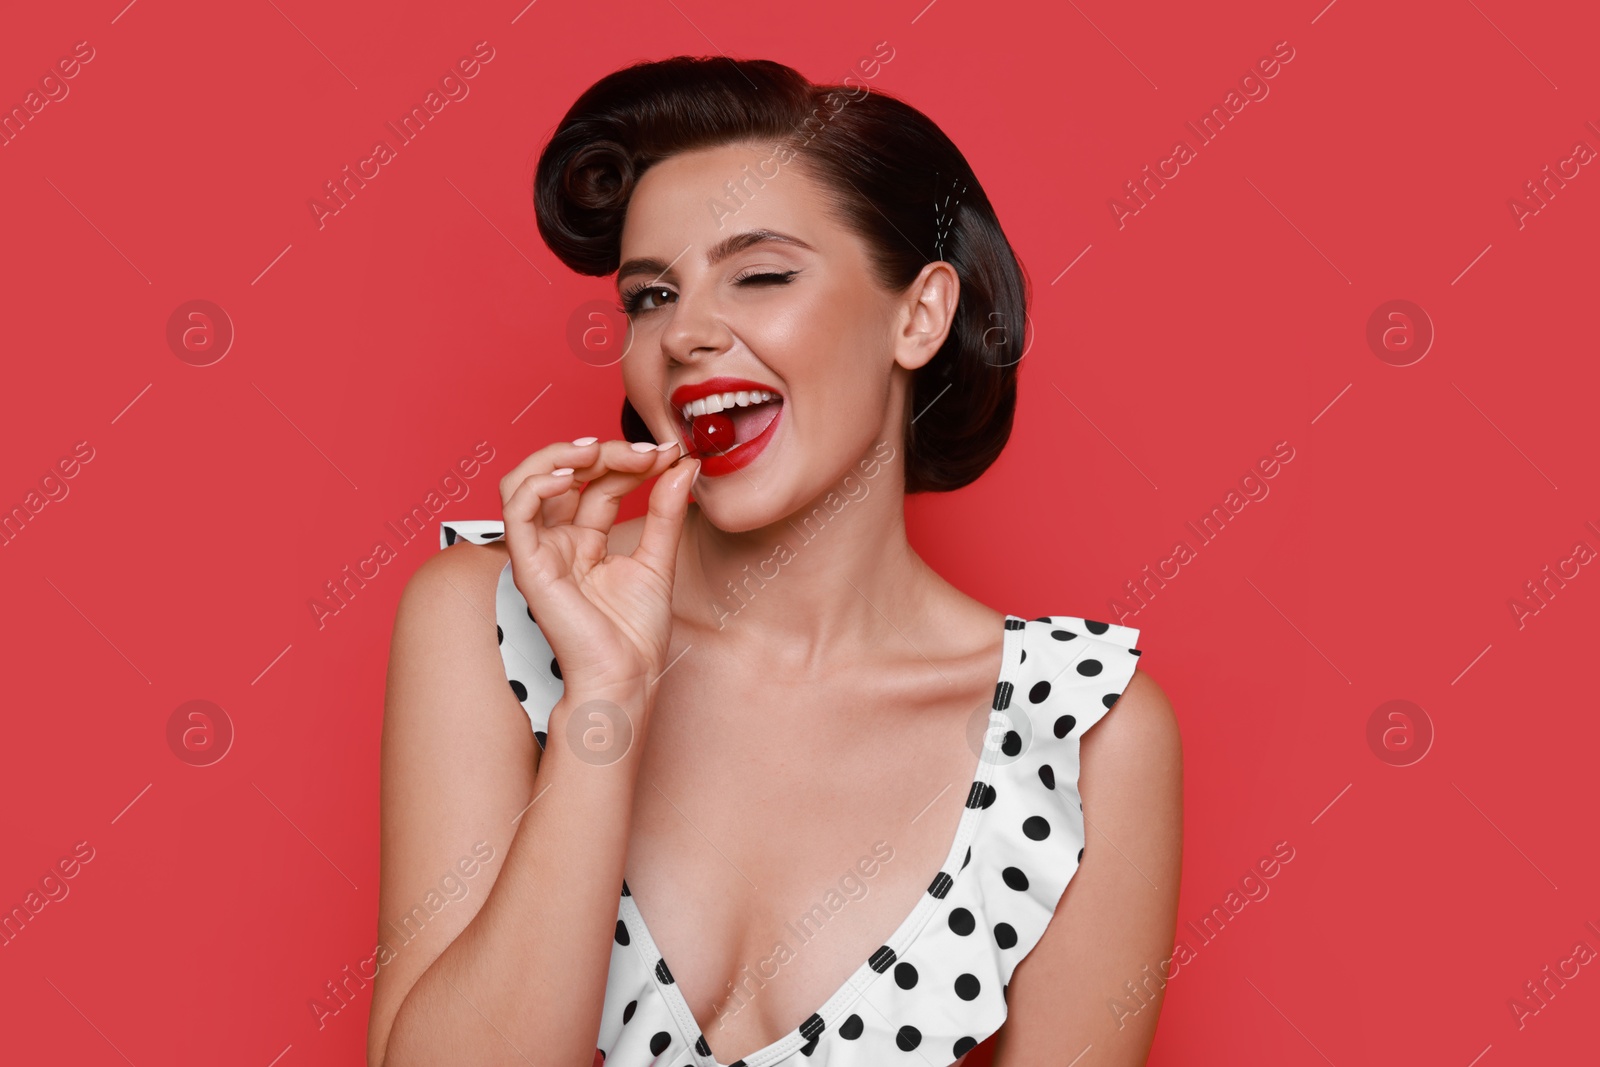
(720, 431)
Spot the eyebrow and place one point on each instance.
(718, 252)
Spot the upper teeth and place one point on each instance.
(706, 405)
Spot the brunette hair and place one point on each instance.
(894, 178)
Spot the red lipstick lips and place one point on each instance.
(746, 429)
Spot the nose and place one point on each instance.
(695, 331)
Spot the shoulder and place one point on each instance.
(1139, 733)
(466, 571)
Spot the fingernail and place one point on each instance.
(664, 445)
(643, 446)
(696, 477)
(586, 440)
(562, 471)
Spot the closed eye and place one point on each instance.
(768, 278)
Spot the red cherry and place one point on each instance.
(712, 433)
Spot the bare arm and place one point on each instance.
(514, 972)
(1116, 921)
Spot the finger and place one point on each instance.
(561, 508)
(589, 458)
(550, 457)
(663, 522)
(602, 498)
(631, 456)
(523, 518)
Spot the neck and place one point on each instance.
(837, 574)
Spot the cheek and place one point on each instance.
(643, 376)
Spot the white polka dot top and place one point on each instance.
(936, 987)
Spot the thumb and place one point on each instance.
(663, 521)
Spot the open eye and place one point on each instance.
(633, 299)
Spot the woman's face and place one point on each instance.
(803, 318)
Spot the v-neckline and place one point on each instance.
(903, 936)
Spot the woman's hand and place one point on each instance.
(607, 617)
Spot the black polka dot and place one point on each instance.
(1036, 827)
(968, 987)
(1014, 878)
(905, 976)
(851, 1028)
(1045, 618)
(1014, 624)
(1039, 692)
(627, 1013)
(1047, 775)
(962, 922)
(1062, 635)
(1011, 744)
(967, 859)
(882, 959)
(622, 932)
(499, 635)
(555, 669)
(1109, 699)
(519, 689)
(1065, 724)
(1096, 627)
(540, 736)
(980, 796)
(701, 1046)
(805, 1050)
(1080, 855)
(941, 885)
(1135, 652)
(1089, 667)
(1002, 696)
(449, 536)
(813, 1026)
(1004, 935)
(625, 891)
(659, 1042)
(964, 1046)
(908, 1038)
(663, 975)
(1024, 658)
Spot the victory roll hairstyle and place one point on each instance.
(893, 178)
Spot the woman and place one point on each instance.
(844, 794)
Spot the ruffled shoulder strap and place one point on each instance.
(530, 663)
(1029, 840)
(478, 531)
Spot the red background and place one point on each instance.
(1227, 315)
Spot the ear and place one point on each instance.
(928, 308)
